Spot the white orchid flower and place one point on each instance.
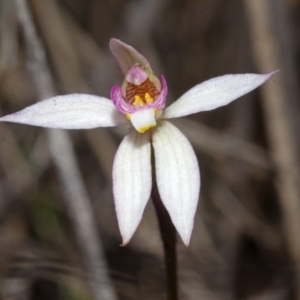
(141, 101)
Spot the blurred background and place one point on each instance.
(58, 231)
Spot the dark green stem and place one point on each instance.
(168, 236)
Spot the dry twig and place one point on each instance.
(63, 155)
(279, 126)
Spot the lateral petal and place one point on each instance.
(178, 177)
(74, 111)
(126, 55)
(132, 181)
(215, 93)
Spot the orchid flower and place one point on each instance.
(141, 100)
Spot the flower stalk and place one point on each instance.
(168, 236)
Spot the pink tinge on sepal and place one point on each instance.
(127, 56)
(136, 75)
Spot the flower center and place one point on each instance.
(141, 95)
(141, 86)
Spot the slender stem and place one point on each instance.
(168, 236)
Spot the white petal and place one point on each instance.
(74, 111)
(178, 177)
(214, 93)
(143, 120)
(132, 181)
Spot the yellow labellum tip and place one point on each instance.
(145, 128)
